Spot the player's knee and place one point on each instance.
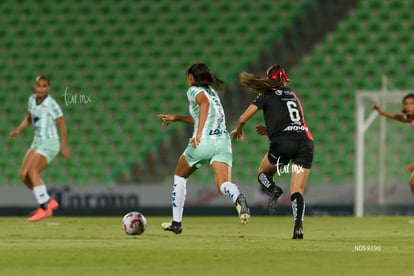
(31, 173)
(23, 174)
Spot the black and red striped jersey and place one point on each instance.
(283, 113)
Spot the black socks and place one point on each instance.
(266, 180)
(298, 208)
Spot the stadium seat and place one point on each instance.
(134, 68)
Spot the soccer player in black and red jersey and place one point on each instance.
(290, 138)
(408, 117)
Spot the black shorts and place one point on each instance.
(290, 148)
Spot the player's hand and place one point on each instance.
(261, 130)
(13, 133)
(65, 153)
(377, 108)
(166, 119)
(195, 141)
(236, 134)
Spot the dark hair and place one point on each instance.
(204, 77)
(41, 77)
(408, 96)
(275, 77)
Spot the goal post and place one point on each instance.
(375, 136)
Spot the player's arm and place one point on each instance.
(237, 133)
(397, 117)
(60, 122)
(168, 118)
(203, 103)
(25, 123)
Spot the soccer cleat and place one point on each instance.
(297, 232)
(41, 213)
(272, 204)
(172, 226)
(52, 204)
(242, 209)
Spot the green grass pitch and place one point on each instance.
(208, 246)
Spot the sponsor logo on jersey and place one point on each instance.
(217, 131)
(294, 128)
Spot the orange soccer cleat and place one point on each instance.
(41, 213)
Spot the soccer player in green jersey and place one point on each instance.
(210, 143)
(44, 114)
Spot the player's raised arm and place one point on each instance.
(394, 116)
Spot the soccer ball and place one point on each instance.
(134, 223)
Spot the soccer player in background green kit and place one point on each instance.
(210, 142)
(44, 113)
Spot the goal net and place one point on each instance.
(383, 149)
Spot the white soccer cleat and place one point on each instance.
(242, 209)
(172, 226)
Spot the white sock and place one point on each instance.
(179, 192)
(41, 194)
(230, 190)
